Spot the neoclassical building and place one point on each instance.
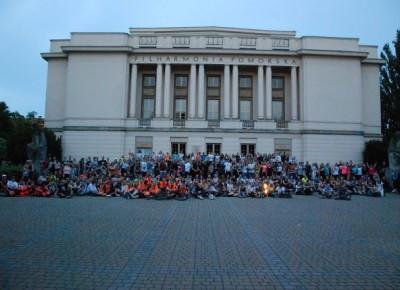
(213, 89)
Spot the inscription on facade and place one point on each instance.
(214, 59)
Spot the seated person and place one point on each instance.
(132, 190)
(173, 188)
(105, 187)
(12, 187)
(327, 190)
(72, 187)
(3, 184)
(250, 188)
(61, 188)
(91, 189)
(41, 187)
(24, 188)
(182, 191)
(242, 190)
(154, 190)
(299, 188)
(211, 190)
(281, 190)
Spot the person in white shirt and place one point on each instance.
(188, 166)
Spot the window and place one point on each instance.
(215, 41)
(148, 108)
(278, 98)
(245, 82)
(177, 148)
(277, 110)
(214, 148)
(245, 97)
(213, 97)
(213, 110)
(246, 149)
(213, 82)
(277, 83)
(245, 110)
(180, 109)
(148, 92)
(181, 94)
(181, 81)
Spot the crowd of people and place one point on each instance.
(165, 176)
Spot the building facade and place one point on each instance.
(213, 89)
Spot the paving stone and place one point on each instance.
(228, 243)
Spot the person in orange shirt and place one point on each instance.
(173, 188)
(154, 190)
(142, 188)
(105, 188)
(182, 191)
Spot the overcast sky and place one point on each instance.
(26, 26)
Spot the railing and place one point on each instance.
(144, 123)
(247, 124)
(213, 123)
(178, 123)
(282, 124)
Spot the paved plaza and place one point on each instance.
(227, 243)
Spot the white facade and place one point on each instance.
(168, 89)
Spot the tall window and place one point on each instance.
(149, 92)
(246, 97)
(181, 94)
(278, 98)
(213, 97)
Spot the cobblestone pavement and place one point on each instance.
(228, 243)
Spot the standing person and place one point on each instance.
(188, 167)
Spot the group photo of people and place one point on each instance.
(201, 176)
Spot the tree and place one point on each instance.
(3, 148)
(5, 120)
(390, 88)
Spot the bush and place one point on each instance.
(375, 151)
(11, 170)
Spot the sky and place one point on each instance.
(26, 26)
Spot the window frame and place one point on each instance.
(218, 98)
(213, 146)
(247, 145)
(153, 97)
(243, 98)
(280, 99)
(179, 146)
(176, 96)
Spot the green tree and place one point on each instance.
(390, 88)
(5, 120)
(3, 148)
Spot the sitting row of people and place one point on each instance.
(181, 187)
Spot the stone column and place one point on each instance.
(167, 89)
(159, 82)
(293, 89)
(192, 92)
(235, 92)
(268, 93)
(132, 93)
(201, 97)
(260, 92)
(227, 86)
